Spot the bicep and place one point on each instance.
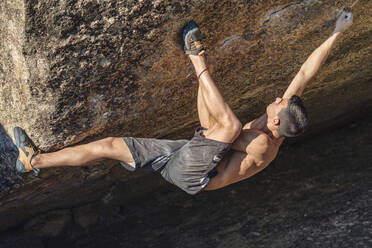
(241, 169)
(251, 142)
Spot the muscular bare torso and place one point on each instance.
(251, 152)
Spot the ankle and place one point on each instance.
(198, 61)
(35, 161)
(201, 73)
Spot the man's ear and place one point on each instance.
(276, 121)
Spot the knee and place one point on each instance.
(236, 128)
(106, 145)
(232, 125)
(109, 141)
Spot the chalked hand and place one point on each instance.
(344, 20)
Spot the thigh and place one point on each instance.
(215, 130)
(152, 153)
(189, 167)
(220, 133)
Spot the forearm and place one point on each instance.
(311, 67)
(318, 57)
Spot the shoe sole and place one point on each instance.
(190, 28)
(20, 138)
(17, 131)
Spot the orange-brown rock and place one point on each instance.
(76, 71)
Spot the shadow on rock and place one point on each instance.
(8, 157)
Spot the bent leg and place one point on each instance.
(213, 110)
(206, 120)
(108, 148)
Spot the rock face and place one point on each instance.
(77, 69)
(74, 71)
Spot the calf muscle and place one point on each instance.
(108, 148)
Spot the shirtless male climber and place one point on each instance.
(221, 152)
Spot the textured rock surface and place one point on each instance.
(76, 69)
(73, 71)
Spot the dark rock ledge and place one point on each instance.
(317, 193)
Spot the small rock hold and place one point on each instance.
(105, 62)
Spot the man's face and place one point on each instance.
(274, 108)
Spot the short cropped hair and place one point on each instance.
(293, 119)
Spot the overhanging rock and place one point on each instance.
(74, 71)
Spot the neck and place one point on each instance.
(262, 124)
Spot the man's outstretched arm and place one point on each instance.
(317, 58)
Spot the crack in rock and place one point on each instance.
(228, 40)
(284, 8)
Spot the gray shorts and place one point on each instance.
(188, 164)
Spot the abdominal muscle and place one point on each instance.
(221, 179)
(234, 167)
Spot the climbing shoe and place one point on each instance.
(192, 40)
(27, 151)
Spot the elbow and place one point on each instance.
(307, 73)
(303, 72)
